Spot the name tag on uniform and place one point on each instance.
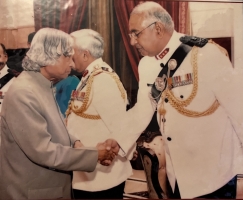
(177, 81)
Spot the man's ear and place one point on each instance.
(160, 30)
(6, 57)
(85, 55)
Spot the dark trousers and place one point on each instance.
(112, 193)
(228, 191)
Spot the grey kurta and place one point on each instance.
(36, 152)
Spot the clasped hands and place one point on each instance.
(107, 150)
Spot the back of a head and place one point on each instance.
(47, 46)
(30, 37)
(88, 39)
(3, 48)
(152, 12)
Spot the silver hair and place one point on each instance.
(90, 40)
(46, 47)
(154, 12)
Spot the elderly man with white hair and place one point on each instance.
(199, 114)
(37, 150)
(95, 112)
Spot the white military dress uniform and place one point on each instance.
(4, 89)
(108, 102)
(202, 153)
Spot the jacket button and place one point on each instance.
(166, 100)
(169, 138)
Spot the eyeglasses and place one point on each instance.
(135, 35)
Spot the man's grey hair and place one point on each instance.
(46, 47)
(90, 40)
(154, 12)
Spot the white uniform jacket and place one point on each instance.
(106, 101)
(4, 89)
(202, 153)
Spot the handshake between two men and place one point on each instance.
(107, 150)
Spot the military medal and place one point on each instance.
(160, 83)
(80, 96)
(73, 95)
(170, 83)
(172, 64)
(162, 111)
(182, 80)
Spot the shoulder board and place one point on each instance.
(102, 69)
(194, 41)
(106, 69)
(97, 71)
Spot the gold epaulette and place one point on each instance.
(80, 111)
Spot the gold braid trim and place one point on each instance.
(179, 105)
(222, 49)
(80, 111)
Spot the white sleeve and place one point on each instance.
(226, 83)
(110, 105)
(139, 116)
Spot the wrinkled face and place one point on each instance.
(61, 69)
(3, 58)
(79, 59)
(146, 40)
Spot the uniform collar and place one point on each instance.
(172, 45)
(97, 63)
(4, 71)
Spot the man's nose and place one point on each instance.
(72, 64)
(133, 41)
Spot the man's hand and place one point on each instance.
(78, 144)
(105, 154)
(112, 145)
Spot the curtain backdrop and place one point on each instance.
(178, 11)
(101, 17)
(65, 15)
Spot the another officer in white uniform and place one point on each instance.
(199, 104)
(6, 78)
(95, 112)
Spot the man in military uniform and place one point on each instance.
(199, 106)
(96, 109)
